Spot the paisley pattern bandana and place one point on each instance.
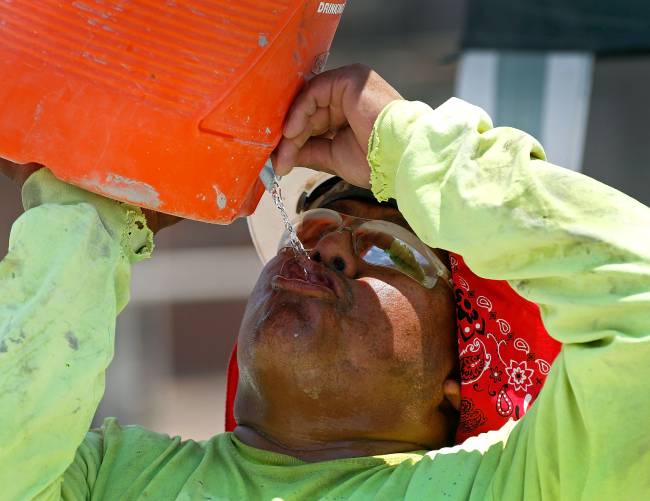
(504, 351)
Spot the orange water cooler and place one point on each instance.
(173, 105)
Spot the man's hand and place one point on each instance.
(156, 221)
(17, 172)
(330, 122)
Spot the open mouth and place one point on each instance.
(307, 279)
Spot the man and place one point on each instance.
(348, 367)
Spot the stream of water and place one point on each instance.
(296, 244)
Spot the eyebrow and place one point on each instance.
(399, 219)
(393, 216)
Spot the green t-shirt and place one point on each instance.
(578, 248)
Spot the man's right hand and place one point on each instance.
(329, 124)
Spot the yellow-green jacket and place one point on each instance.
(578, 248)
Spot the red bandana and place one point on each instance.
(505, 354)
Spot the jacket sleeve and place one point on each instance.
(62, 283)
(576, 247)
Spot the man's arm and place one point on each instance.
(578, 248)
(64, 280)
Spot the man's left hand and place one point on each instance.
(18, 173)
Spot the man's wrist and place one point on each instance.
(387, 143)
(126, 224)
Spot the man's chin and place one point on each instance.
(290, 313)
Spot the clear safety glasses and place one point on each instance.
(376, 242)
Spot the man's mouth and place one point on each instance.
(306, 278)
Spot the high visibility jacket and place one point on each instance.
(578, 248)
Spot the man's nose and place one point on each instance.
(335, 250)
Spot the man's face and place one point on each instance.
(361, 353)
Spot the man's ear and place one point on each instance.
(451, 391)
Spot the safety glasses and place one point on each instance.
(376, 242)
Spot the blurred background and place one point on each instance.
(574, 74)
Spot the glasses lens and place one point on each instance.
(386, 244)
(379, 243)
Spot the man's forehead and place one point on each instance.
(368, 210)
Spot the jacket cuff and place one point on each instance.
(125, 223)
(387, 143)
(392, 132)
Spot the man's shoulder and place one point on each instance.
(113, 436)
(119, 459)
